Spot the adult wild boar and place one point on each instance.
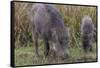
(49, 25)
(87, 31)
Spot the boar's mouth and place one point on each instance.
(59, 52)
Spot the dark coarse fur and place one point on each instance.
(87, 31)
(48, 23)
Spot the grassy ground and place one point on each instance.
(26, 56)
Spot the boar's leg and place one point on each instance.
(35, 38)
(90, 45)
(46, 47)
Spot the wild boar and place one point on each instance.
(87, 32)
(48, 23)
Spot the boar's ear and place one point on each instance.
(54, 35)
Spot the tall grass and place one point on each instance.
(72, 16)
(23, 28)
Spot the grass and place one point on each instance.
(26, 56)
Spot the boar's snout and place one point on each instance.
(64, 56)
(60, 52)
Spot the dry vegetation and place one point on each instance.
(72, 15)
